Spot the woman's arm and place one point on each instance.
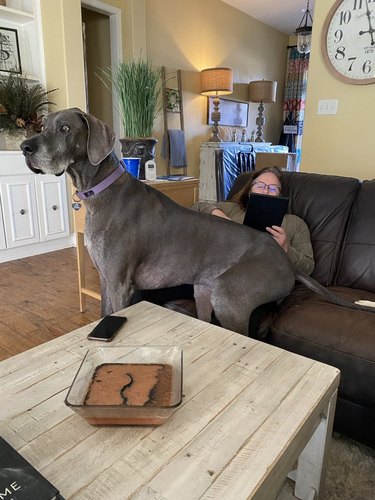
(219, 213)
(299, 250)
(224, 209)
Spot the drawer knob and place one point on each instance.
(22, 211)
(54, 207)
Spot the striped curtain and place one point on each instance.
(295, 101)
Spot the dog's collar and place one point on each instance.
(83, 195)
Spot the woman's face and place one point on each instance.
(266, 183)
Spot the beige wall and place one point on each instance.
(62, 38)
(210, 34)
(180, 35)
(337, 144)
(195, 35)
(98, 56)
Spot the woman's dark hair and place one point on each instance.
(242, 196)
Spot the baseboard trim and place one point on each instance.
(35, 249)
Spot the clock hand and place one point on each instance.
(371, 30)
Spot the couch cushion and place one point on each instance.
(184, 306)
(311, 326)
(324, 203)
(357, 265)
(356, 421)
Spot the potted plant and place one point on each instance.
(21, 108)
(137, 86)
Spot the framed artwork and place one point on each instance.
(10, 60)
(173, 100)
(233, 113)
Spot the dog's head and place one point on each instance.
(68, 137)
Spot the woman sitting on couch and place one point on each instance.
(293, 235)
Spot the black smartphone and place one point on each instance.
(107, 328)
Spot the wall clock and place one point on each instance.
(348, 41)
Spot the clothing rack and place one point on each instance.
(172, 103)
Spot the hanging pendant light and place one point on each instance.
(303, 32)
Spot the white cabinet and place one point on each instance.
(34, 210)
(34, 215)
(24, 17)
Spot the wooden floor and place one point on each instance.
(39, 300)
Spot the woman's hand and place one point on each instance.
(279, 235)
(219, 213)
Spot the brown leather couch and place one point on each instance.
(340, 213)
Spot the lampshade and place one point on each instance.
(262, 91)
(216, 81)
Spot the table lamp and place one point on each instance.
(215, 82)
(261, 91)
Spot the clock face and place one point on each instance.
(348, 41)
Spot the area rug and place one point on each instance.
(350, 472)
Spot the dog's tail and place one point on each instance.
(316, 287)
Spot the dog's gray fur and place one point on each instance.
(139, 239)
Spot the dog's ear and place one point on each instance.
(100, 139)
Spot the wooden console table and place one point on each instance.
(183, 192)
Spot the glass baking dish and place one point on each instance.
(127, 385)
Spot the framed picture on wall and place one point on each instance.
(173, 100)
(233, 113)
(10, 60)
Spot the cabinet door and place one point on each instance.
(53, 207)
(2, 231)
(19, 210)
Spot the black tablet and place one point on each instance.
(265, 211)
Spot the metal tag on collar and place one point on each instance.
(76, 205)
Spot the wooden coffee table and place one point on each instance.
(250, 410)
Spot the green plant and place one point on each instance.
(22, 104)
(137, 85)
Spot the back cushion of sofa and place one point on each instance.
(324, 203)
(356, 268)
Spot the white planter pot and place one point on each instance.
(12, 141)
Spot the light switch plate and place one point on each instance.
(327, 106)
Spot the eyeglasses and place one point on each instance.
(270, 188)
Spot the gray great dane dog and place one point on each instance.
(140, 239)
